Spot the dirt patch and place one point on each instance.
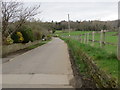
(87, 82)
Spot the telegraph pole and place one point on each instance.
(69, 24)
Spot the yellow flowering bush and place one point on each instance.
(9, 40)
(20, 36)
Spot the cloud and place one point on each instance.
(78, 11)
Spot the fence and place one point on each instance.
(103, 38)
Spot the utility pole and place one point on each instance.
(69, 24)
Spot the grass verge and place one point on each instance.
(79, 67)
(105, 61)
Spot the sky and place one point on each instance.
(57, 10)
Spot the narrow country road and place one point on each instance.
(47, 66)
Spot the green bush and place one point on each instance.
(49, 37)
(15, 38)
(27, 34)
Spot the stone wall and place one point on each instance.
(6, 49)
(100, 77)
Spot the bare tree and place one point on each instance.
(16, 12)
(26, 14)
(10, 11)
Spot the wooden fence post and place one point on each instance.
(87, 38)
(81, 38)
(118, 51)
(102, 38)
(101, 35)
(84, 38)
(93, 38)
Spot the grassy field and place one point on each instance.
(110, 37)
(106, 57)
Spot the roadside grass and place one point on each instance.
(37, 45)
(104, 60)
(82, 67)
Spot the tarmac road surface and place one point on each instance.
(47, 66)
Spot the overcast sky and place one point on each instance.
(57, 10)
(79, 11)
